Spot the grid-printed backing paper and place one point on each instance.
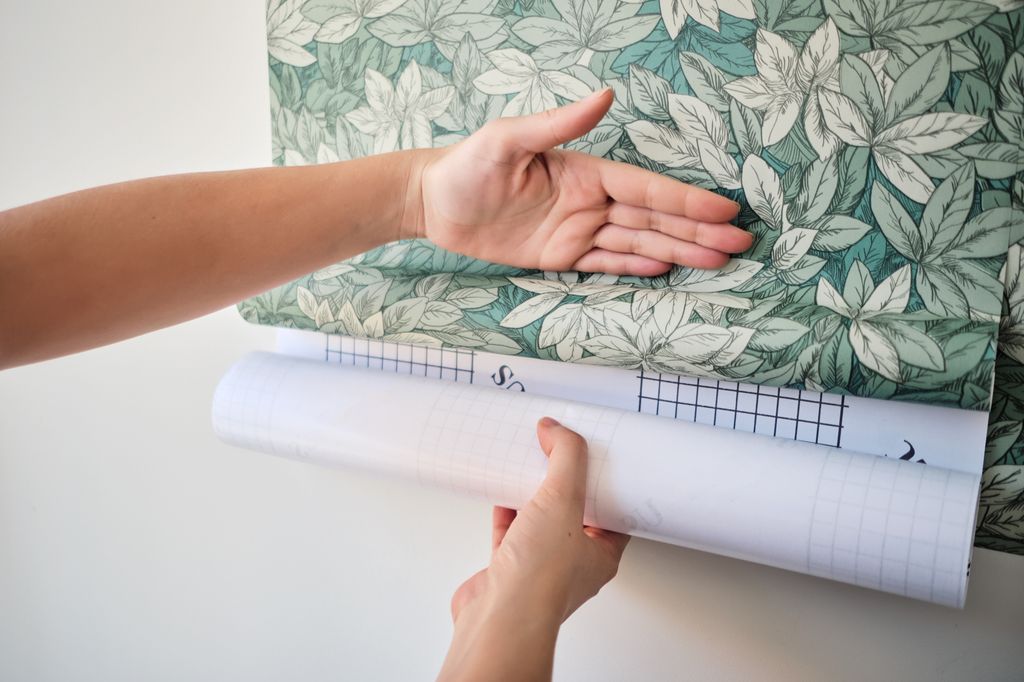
(781, 412)
(887, 524)
(454, 364)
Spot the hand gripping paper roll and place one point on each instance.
(881, 523)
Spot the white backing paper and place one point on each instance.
(882, 523)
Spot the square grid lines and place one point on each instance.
(772, 411)
(454, 364)
(896, 528)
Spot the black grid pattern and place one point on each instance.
(454, 364)
(780, 412)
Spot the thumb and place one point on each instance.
(540, 132)
(567, 465)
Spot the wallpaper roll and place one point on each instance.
(880, 523)
(874, 146)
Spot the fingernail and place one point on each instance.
(598, 93)
(548, 422)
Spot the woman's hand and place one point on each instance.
(210, 239)
(544, 565)
(504, 194)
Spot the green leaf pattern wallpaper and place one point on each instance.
(874, 145)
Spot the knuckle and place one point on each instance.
(495, 127)
(655, 221)
(574, 441)
(701, 233)
(636, 241)
(649, 192)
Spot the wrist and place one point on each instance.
(416, 163)
(502, 636)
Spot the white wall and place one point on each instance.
(134, 546)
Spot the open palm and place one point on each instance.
(506, 195)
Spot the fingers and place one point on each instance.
(567, 465)
(614, 263)
(718, 236)
(615, 542)
(657, 246)
(540, 132)
(501, 519)
(639, 187)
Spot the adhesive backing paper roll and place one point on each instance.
(881, 523)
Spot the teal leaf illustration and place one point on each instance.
(859, 84)
(662, 144)
(705, 79)
(746, 129)
(995, 160)
(649, 92)
(817, 188)
(763, 190)
(931, 21)
(920, 86)
(843, 118)
(897, 225)
(946, 211)
(838, 232)
(720, 165)
(776, 333)
(1011, 84)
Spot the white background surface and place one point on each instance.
(134, 546)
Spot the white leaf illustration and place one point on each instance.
(380, 94)
(496, 82)
(662, 144)
(844, 119)
(564, 85)
(613, 350)
(307, 302)
(531, 310)
(874, 350)
(827, 297)
(750, 91)
(890, 296)
(902, 172)
(744, 9)
(719, 164)
(734, 273)
(698, 343)
(513, 62)
(697, 120)
(339, 28)
(564, 322)
(470, 298)
(775, 58)
(791, 247)
(930, 132)
(288, 31)
(819, 58)
(540, 286)
(702, 11)
(823, 140)
(779, 118)
(763, 190)
(404, 315)
(541, 30)
(440, 314)
(674, 16)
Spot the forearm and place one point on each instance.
(506, 640)
(97, 266)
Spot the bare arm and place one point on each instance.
(93, 267)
